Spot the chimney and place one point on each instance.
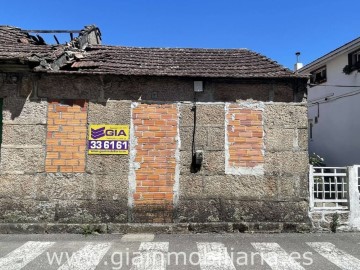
(89, 36)
(298, 65)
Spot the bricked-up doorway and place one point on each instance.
(66, 136)
(155, 128)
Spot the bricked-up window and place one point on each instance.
(245, 137)
(66, 136)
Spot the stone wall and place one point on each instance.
(323, 220)
(279, 192)
(258, 176)
(104, 87)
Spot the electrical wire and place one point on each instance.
(332, 85)
(326, 100)
(193, 167)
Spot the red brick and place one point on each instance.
(57, 148)
(52, 142)
(66, 155)
(141, 189)
(146, 183)
(74, 109)
(51, 168)
(81, 116)
(79, 169)
(155, 151)
(80, 128)
(141, 177)
(60, 121)
(58, 162)
(67, 115)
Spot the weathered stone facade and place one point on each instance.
(230, 155)
(217, 193)
(154, 183)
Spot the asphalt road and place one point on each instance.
(182, 251)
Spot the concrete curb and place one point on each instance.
(166, 228)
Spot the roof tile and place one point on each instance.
(182, 62)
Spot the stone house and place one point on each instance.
(216, 138)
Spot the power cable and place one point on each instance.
(332, 85)
(353, 93)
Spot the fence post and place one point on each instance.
(354, 204)
(311, 187)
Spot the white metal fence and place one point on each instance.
(334, 188)
(329, 188)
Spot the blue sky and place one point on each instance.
(275, 28)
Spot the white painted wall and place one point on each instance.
(336, 136)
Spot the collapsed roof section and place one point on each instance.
(19, 48)
(85, 55)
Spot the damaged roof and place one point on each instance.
(86, 57)
(16, 44)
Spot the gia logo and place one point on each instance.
(97, 133)
(105, 139)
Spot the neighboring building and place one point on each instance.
(334, 111)
(213, 136)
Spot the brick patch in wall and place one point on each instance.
(156, 130)
(244, 140)
(66, 136)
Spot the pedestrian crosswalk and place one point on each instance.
(276, 257)
(152, 256)
(159, 255)
(338, 257)
(214, 256)
(21, 256)
(86, 258)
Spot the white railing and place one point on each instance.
(329, 188)
(336, 189)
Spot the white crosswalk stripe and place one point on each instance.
(214, 256)
(276, 257)
(21, 256)
(338, 257)
(153, 256)
(86, 258)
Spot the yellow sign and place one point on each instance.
(108, 139)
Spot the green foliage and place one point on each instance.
(316, 160)
(347, 69)
(90, 229)
(350, 68)
(87, 230)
